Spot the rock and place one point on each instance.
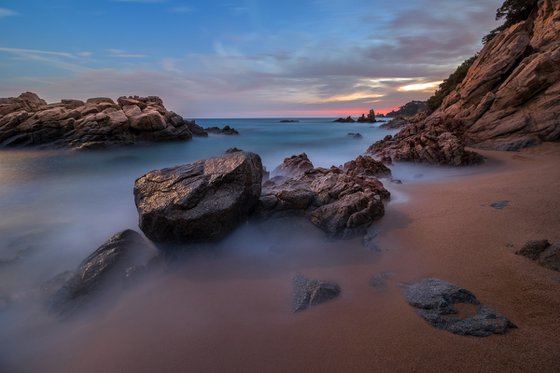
(380, 279)
(499, 205)
(355, 135)
(366, 166)
(369, 119)
(98, 123)
(288, 121)
(202, 201)
(343, 202)
(345, 120)
(509, 98)
(309, 292)
(396, 123)
(368, 240)
(436, 301)
(409, 109)
(543, 252)
(295, 165)
(104, 267)
(232, 150)
(227, 130)
(195, 129)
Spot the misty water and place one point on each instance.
(57, 206)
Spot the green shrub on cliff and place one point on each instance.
(513, 11)
(449, 84)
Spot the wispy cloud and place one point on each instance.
(7, 13)
(119, 53)
(60, 60)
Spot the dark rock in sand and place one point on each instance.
(296, 165)
(380, 279)
(499, 205)
(105, 266)
(309, 292)
(227, 130)
(28, 120)
(202, 201)
(436, 301)
(368, 241)
(543, 252)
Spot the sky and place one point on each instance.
(246, 58)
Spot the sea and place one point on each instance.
(58, 206)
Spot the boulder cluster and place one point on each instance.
(27, 120)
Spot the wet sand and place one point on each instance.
(231, 313)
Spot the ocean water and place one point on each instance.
(58, 206)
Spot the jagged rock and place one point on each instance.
(369, 119)
(227, 130)
(202, 201)
(295, 165)
(396, 123)
(342, 202)
(105, 266)
(309, 292)
(436, 301)
(365, 165)
(27, 120)
(409, 109)
(195, 129)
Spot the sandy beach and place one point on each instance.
(217, 315)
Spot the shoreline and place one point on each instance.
(216, 315)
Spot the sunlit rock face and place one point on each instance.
(201, 201)
(99, 122)
(509, 99)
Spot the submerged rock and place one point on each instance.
(499, 205)
(355, 135)
(201, 201)
(105, 266)
(309, 292)
(436, 301)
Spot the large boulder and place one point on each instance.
(437, 302)
(543, 252)
(97, 123)
(201, 201)
(295, 165)
(105, 267)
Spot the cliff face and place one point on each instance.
(509, 99)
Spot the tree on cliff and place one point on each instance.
(513, 11)
(450, 84)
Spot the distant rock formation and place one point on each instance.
(227, 130)
(28, 120)
(409, 109)
(348, 119)
(509, 99)
(370, 118)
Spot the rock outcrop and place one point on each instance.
(509, 99)
(343, 202)
(227, 130)
(542, 252)
(202, 201)
(105, 266)
(348, 119)
(28, 120)
(195, 129)
(309, 292)
(370, 118)
(436, 301)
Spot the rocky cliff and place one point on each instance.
(28, 120)
(509, 99)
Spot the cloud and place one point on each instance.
(119, 53)
(7, 13)
(60, 60)
(420, 87)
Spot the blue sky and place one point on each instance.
(240, 58)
